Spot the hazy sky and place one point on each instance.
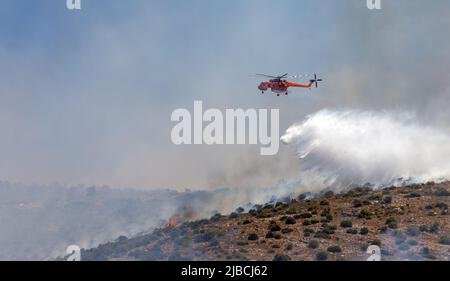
(86, 96)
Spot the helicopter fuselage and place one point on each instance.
(281, 86)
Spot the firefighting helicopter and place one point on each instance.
(278, 84)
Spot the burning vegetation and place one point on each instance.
(407, 223)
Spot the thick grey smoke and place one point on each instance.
(351, 147)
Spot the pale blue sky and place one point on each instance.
(86, 96)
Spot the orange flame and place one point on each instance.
(172, 222)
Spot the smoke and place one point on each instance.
(350, 147)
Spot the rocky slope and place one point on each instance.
(407, 223)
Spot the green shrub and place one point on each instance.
(412, 231)
(426, 253)
(434, 228)
(441, 192)
(321, 256)
(291, 211)
(253, 237)
(346, 223)
(424, 228)
(324, 203)
(334, 249)
(364, 247)
(233, 215)
(240, 210)
(413, 195)
(321, 234)
(444, 240)
(441, 205)
(290, 220)
(391, 222)
(307, 232)
(387, 199)
(364, 231)
(313, 244)
(376, 242)
(383, 229)
(364, 214)
(282, 258)
(352, 231)
(274, 227)
(412, 242)
(246, 222)
(287, 230)
(356, 203)
(306, 215)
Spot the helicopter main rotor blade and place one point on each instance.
(268, 76)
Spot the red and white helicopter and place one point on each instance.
(278, 85)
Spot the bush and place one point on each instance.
(282, 258)
(346, 223)
(301, 197)
(441, 205)
(321, 234)
(246, 222)
(441, 192)
(287, 230)
(387, 199)
(205, 237)
(324, 203)
(383, 229)
(413, 195)
(290, 220)
(306, 222)
(240, 210)
(357, 203)
(412, 231)
(364, 231)
(313, 244)
(274, 227)
(364, 247)
(352, 231)
(305, 215)
(233, 215)
(289, 246)
(434, 228)
(376, 242)
(426, 253)
(334, 249)
(253, 237)
(412, 242)
(444, 240)
(291, 211)
(321, 256)
(364, 214)
(391, 222)
(424, 228)
(307, 232)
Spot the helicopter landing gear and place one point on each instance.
(278, 95)
(286, 93)
(262, 92)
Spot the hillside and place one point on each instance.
(408, 223)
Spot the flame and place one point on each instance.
(172, 222)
